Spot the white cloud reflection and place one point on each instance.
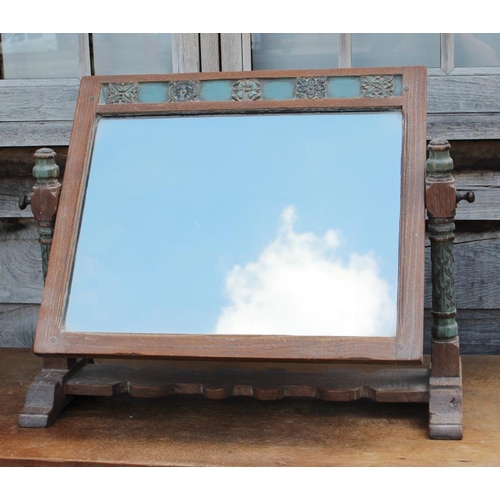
(299, 286)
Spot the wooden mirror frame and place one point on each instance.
(402, 89)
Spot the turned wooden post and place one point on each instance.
(44, 200)
(445, 387)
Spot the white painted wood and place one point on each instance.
(345, 50)
(210, 52)
(246, 46)
(84, 54)
(231, 52)
(447, 52)
(186, 52)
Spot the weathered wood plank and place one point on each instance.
(186, 53)
(18, 324)
(231, 52)
(463, 94)
(38, 100)
(476, 155)
(477, 271)
(21, 264)
(486, 186)
(10, 191)
(19, 134)
(210, 52)
(462, 126)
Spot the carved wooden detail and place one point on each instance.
(377, 86)
(183, 91)
(445, 385)
(311, 88)
(440, 181)
(122, 93)
(247, 90)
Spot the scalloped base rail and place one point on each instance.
(54, 388)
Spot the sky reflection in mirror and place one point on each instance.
(258, 224)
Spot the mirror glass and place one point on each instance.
(269, 224)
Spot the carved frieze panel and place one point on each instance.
(253, 89)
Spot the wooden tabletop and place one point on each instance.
(192, 431)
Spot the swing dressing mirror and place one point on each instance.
(248, 216)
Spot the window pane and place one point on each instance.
(477, 49)
(395, 49)
(40, 55)
(294, 50)
(131, 54)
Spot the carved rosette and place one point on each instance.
(311, 88)
(183, 91)
(247, 90)
(377, 86)
(122, 93)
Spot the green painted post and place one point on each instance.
(45, 199)
(441, 206)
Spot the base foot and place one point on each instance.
(46, 398)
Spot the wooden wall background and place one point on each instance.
(463, 107)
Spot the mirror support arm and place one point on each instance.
(445, 385)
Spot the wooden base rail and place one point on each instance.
(54, 388)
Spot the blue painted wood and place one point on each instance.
(103, 94)
(153, 92)
(219, 90)
(279, 89)
(398, 85)
(343, 87)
